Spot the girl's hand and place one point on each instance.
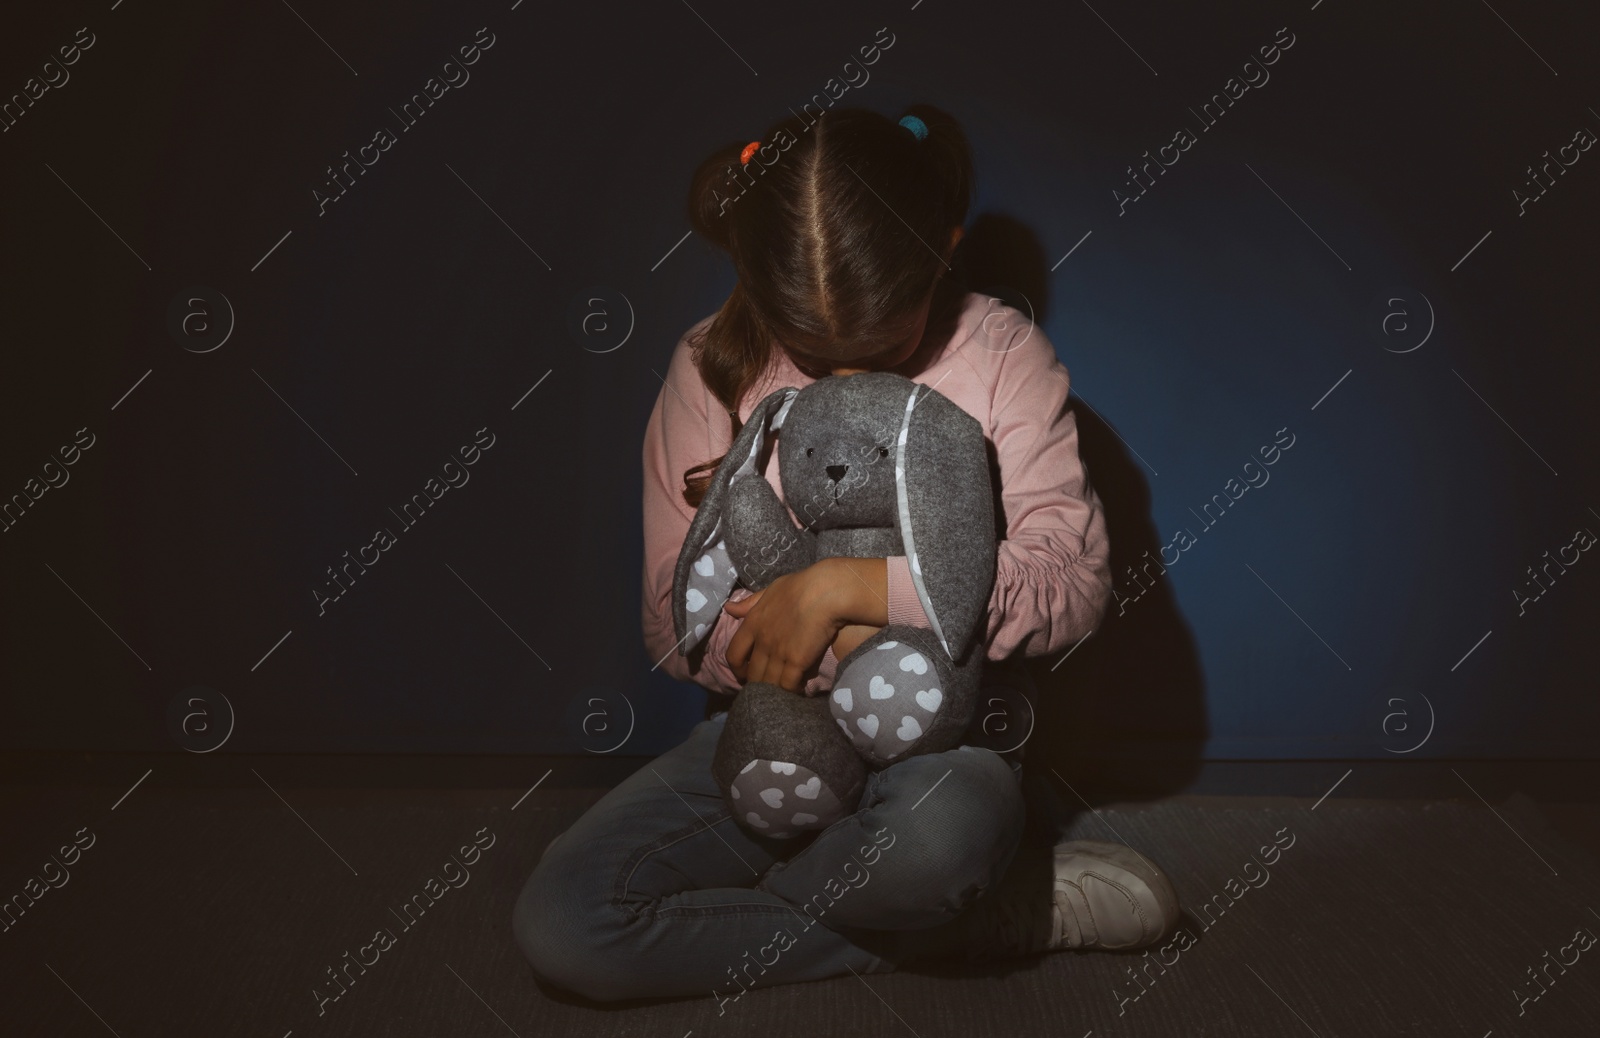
(790, 623)
(850, 636)
(787, 627)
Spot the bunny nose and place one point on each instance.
(836, 472)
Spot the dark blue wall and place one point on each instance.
(1329, 612)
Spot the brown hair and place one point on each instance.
(836, 228)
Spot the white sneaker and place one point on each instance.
(1111, 897)
(1103, 896)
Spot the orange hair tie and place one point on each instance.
(749, 150)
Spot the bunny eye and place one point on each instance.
(883, 452)
(810, 451)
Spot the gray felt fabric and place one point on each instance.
(857, 452)
(762, 542)
(950, 513)
(871, 464)
(860, 542)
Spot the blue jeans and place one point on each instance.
(658, 892)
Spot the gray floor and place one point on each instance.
(216, 911)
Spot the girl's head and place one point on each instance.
(841, 229)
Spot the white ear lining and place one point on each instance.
(783, 411)
(748, 466)
(903, 501)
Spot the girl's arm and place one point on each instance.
(679, 434)
(1053, 570)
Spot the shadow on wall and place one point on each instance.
(1125, 710)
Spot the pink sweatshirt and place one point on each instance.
(1052, 574)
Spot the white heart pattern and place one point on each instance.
(802, 819)
(773, 797)
(695, 600)
(914, 662)
(705, 567)
(843, 725)
(887, 645)
(880, 689)
(810, 789)
(909, 729)
(699, 631)
(756, 820)
(747, 767)
(868, 725)
(916, 567)
(929, 699)
(844, 698)
(735, 791)
(782, 768)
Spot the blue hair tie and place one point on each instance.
(918, 128)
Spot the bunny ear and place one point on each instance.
(704, 575)
(946, 513)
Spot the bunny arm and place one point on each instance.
(762, 541)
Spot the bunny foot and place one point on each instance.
(889, 691)
(778, 799)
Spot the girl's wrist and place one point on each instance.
(856, 590)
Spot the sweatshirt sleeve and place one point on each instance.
(1052, 572)
(904, 605)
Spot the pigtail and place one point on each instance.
(946, 155)
(713, 194)
(731, 354)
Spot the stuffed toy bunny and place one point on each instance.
(873, 464)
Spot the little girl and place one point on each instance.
(841, 231)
